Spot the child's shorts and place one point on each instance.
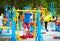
(26, 25)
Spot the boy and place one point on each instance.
(47, 19)
(27, 24)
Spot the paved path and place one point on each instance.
(47, 37)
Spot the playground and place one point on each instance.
(29, 23)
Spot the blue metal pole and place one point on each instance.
(13, 38)
(39, 36)
(52, 8)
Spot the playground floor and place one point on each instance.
(47, 37)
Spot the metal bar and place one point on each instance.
(5, 27)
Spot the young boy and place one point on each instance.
(47, 19)
(27, 24)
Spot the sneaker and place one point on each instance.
(31, 36)
(23, 37)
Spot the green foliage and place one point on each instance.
(33, 3)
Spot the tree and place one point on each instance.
(33, 3)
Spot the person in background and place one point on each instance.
(8, 16)
(1, 22)
(1, 19)
(47, 19)
(40, 7)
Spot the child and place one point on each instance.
(58, 25)
(47, 19)
(1, 22)
(27, 24)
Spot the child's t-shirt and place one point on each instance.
(27, 17)
(47, 18)
(1, 21)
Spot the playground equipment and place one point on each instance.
(15, 19)
(35, 23)
(52, 9)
